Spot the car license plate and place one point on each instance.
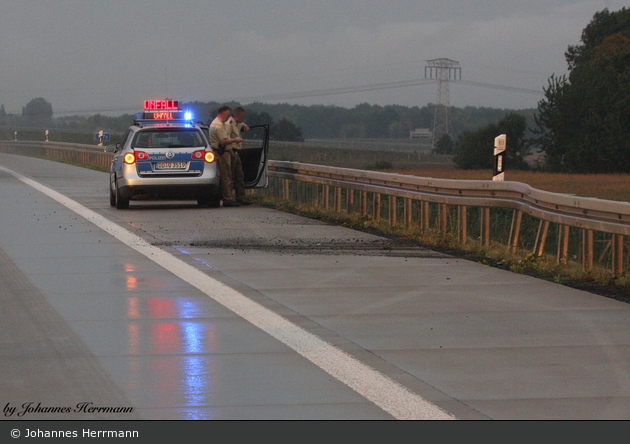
(171, 165)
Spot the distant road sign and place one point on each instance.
(105, 136)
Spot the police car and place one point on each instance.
(165, 155)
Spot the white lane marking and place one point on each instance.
(383, 391)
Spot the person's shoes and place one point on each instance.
(231, 203)
(244, 202)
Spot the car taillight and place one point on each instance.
(129, 158)
(141, 155)
(198, 154)
(209, 157)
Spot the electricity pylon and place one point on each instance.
(442, 70)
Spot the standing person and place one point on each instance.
(235, 126)
(219, 140)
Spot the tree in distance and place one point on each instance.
(444, 145)
(37, 112)
(286, 130)
(475, 150)
(583, 124)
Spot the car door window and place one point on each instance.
(254, 156)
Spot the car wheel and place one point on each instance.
(112, 196)
(212, 199)
(121, 203)
(215, 199)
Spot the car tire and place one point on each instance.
(112, 196)
(121, 203)
(211, 200)
(214, 200)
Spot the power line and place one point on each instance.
(336, 91)
(500, 87)
(327, 92)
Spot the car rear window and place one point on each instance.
(168, 139)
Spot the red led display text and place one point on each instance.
(165, 105)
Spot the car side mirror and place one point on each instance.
(117, 148)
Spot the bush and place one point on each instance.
(380, 165)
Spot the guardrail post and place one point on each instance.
(326, 196)
(285, 189)
(363, 203)
(377, 206)
(563, 244)
(541, 238)
(485, 227)
(424, 216)
(515, 230)
(393, 211)
(442, 217)
(617, 247)
(350, 201)
(587, 250)
(338, 199)
(462, 225)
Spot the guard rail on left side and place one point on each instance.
(88, 155)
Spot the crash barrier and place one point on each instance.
(89, 155)
(591, 231)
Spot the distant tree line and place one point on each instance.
(287, 121)
(365, 121)
(583, 123)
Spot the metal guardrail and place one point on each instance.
(91, 155)
(347, 190)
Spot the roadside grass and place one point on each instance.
(598, 280)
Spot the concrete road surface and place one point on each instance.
(182, 312)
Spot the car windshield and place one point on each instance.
(180, 138)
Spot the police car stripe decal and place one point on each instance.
(386, 393)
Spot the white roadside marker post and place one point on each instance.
(500, 144)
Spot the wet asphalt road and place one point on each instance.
(88, 319)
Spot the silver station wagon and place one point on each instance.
(172, 160)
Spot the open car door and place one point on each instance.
(254, 156)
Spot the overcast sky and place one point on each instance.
(88, 56)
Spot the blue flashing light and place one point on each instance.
(188, 116)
